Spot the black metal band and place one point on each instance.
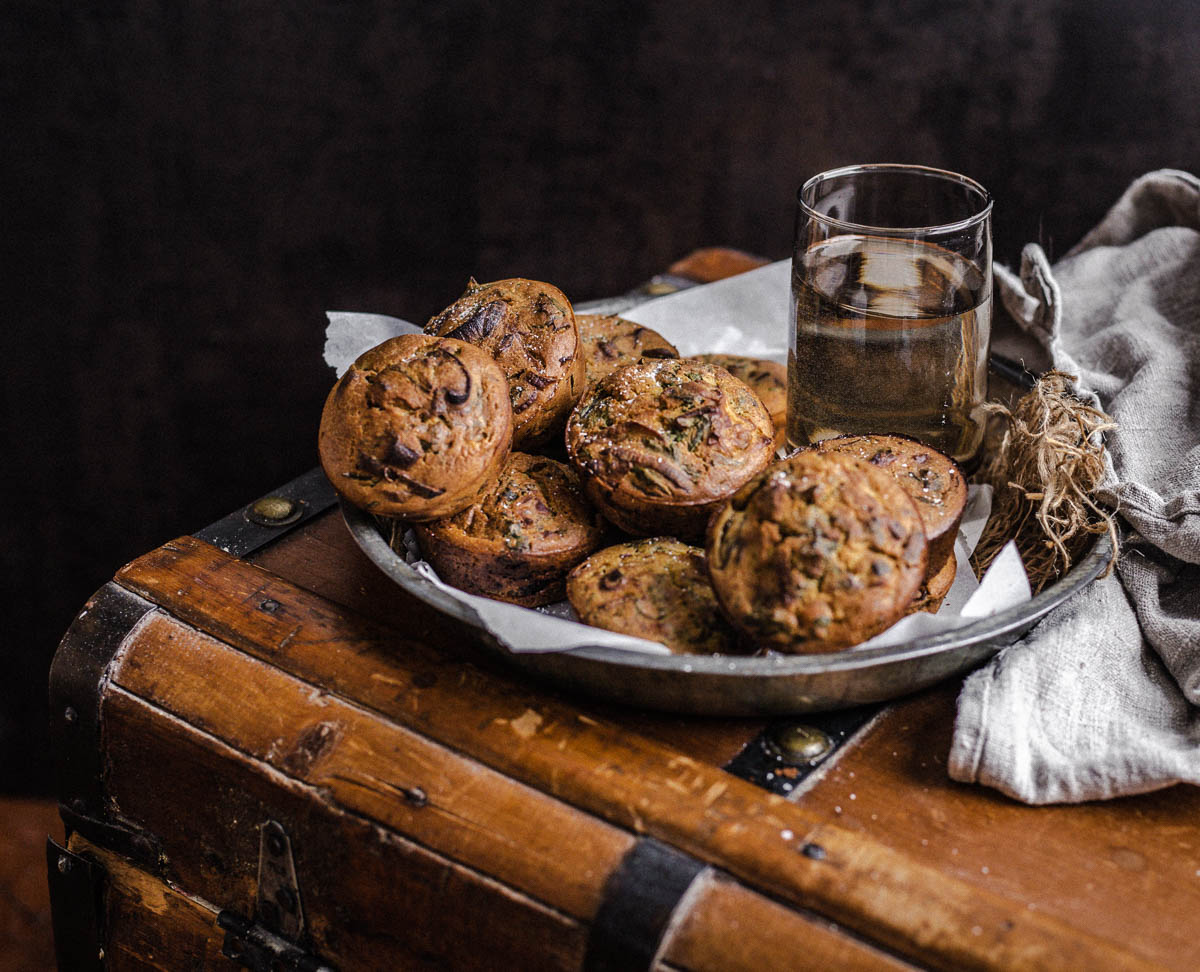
(272, 516)
(639, 900)
(76, 908)
(77, 677)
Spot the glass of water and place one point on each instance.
(891, 307)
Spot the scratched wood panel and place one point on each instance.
(372, 767)
(1127, 868)
(367, 766)
(729, 928)
(152, 926)
(373, 899)
(628, 780)
(322, 557)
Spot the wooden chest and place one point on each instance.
(273, 758)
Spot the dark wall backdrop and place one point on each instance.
(188, 186)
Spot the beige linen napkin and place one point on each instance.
(1100, 699)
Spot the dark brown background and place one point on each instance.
(190, 185)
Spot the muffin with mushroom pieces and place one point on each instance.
(817, 553)
(529, 328)
(939, 578)
(656, 588)
(931, 479)
(416, 428)
(610, 342)
(662, 444)
(767, 379)
(517, 541)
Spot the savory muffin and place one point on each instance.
(416, 428)
(662, 443)
(817, 553)
(767, 379)
(939, 577)
(932, 480)
(529, 328)
(610, 342)
(656, 588)
(517, 541)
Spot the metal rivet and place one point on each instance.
(70, 715)
(416, 796)
(64, 864)
(815, 851)
(274, 511)
(801, 743)
(269, 605)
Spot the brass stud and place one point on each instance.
(801, 744)
(274, 511)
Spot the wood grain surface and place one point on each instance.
(1126, 869)
(462, 851)
(1091, 865)
(162, 929)
(860, 878)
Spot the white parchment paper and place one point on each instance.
(747, 315)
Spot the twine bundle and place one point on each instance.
(1047, 462)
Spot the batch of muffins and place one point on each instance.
(536, 453)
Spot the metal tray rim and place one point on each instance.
(987, 629)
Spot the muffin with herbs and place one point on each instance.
(529, 328)
(610, 342)
(817, 553)
(656, 588)
(517, 542)
(767, 379)
(939, 578)
(931, 479)
(661, 444)
(416, 428)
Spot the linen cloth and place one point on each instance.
(1102, 699)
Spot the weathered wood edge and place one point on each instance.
(762, 840)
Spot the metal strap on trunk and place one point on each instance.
(77, 677)
(640, 898)
(270, 517)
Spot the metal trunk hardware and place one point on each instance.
(275, 941)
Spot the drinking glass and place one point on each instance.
(891, 307)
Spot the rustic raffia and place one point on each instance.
(1044, 467)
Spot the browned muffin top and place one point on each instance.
(767, 379)
(416, 427)
(932, 480)
(817, 553)
(670, 432)
(529, 327)
(610, 342)
(657, 589)
(536, 506)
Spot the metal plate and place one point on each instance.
(761, 686)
